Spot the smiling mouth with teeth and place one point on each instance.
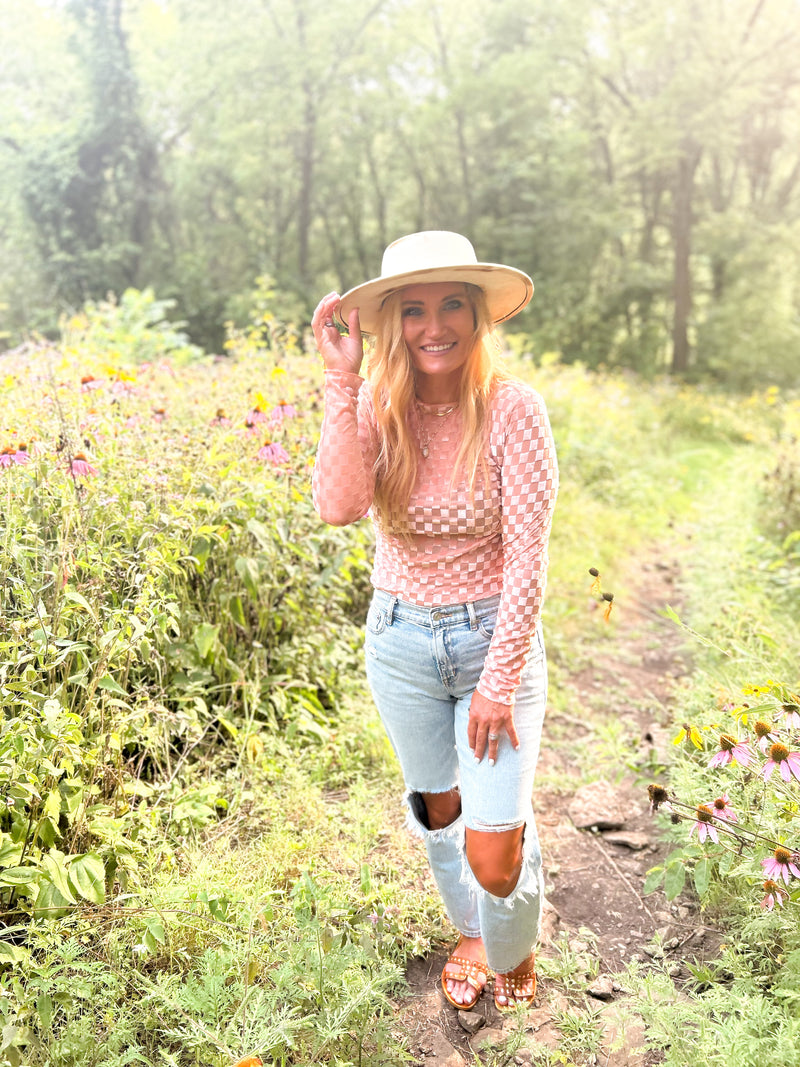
(438, 348)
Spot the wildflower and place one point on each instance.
(764, 734)
(273, 453)
(14, 455)
(781, 865)
(255, 416)
(729, 750)
(791, 713)
(723, 810)
(160, 414)
(689, 733)
(780, 756)
(220, 419)
(89, 383)
(283, 411)
(658, 796)
(80, 467)
(776, 894)
(704, 825)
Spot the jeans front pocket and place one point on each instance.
(376, 619)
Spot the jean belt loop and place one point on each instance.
(390, 611)
(473, 618)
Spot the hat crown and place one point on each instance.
(425, 251)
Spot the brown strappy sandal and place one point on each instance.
(512, 988)
(469, 971)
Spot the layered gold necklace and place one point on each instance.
(425, 438)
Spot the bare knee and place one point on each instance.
(442, 808)
(496, 858)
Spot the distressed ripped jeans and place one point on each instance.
(423, 665)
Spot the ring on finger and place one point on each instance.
(494, 737)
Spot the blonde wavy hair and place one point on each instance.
(391, 373)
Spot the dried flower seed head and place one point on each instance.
(704, 813)
(790, 709)
(674, 818)
(608, 597)
(778, 752)
(595, 573)
(782, 855)
(658, 795)
(720, 804)
(762, 728)
(727, 743)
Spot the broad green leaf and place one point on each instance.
(50, 903)
(247, 569)
(87, 877)
(236, 609)
(111, 685)
(55, 866)
(655, 877)
(73, 597)
(205, 636)
(674, 879)
(19, 875)
(13, 953)
(702, 875)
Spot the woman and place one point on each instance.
(455, 459)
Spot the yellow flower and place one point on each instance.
(690, 733)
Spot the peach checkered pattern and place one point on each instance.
(460, 549)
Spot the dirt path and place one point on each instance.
(598, 841)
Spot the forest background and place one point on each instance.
(640, 160)
(184, 716)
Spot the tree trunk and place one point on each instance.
(682, 241)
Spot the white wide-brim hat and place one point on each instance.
(436, 256)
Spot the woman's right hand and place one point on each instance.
(339, 351)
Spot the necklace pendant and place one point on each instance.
(424, 451)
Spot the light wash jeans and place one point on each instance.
(422, 666)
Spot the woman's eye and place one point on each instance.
(453, 305)
(407, 312)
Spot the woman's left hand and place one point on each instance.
(487, 721)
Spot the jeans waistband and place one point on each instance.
(472, 611)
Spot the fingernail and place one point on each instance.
(491, 763)
(477, 760)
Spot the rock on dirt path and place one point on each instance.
(598, 841)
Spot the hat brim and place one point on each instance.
(507, 291)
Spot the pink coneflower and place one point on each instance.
(705, 824)
(782, 864)
(89, 383)
(283, 411)
(273, 453)
(14, 456)
(729, 750)
(80, 467)
(255, 416)
(791, 716)
(763, 731)
(220, 419)
(780, 756)
(722, 809)
(160, 414)
(776, 894)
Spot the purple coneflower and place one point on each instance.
(89, 383)
(763, 731)
(14, 456)
(704, 825)
(273, 453)
(729, 750)
(776, 894)
(220, 419)
(780, 756)
(791, 715)
(283, 411)
(255, 416)
(160, 414)
(722, 809)
(80, 467)
(782, 864)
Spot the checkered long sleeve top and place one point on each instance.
(460, 549)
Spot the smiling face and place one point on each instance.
(439, 330)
